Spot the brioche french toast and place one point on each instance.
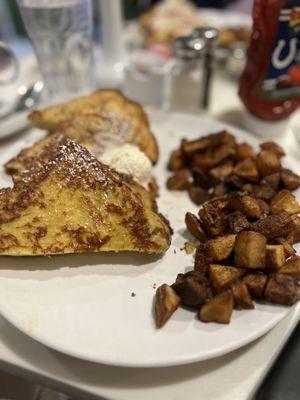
(69, 202)
(110, 105)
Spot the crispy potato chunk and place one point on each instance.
(236, 222)
(222, 276)
(190, 247)
(281, 289)
(264, 206)
(241, 296)
(201, 179)
(202, 261)
(234, 182)
(246, 169)
(181, 180)
(272, 180)
(212, 220)
(219, 190)
(273, 225)
(176, 161)
(275, 257)
(287, 247)
(213, 156)
(256, 284)
(263, 191)
(192, 288)
(198, 195)
(292, 267)
(268, 163)
(246, 204)
(194, 227)
(218, 309)
(166, 302)
(250, 250)
(222, 170)
(243, 151)
(284, 201)
(274, 147)
(289, 179)
(296, 228)
(221, 248)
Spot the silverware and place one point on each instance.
(28, 96)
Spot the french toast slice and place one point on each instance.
(95, 132)
(69, 202)
(109, 104)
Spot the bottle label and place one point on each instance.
(283, 74)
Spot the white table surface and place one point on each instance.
(234, 376)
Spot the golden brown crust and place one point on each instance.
(108, 104)
(69, 202)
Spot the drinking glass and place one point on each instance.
(61, 35)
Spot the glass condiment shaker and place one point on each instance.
(184, 81)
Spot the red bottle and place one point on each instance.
(270, 83)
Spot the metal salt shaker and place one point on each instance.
(210, 36)
(185, 77)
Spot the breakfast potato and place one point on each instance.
(256, 283)
(176, 161)
(223, 276)
(241, 296)
(192, 288)
(198, 195)
(248, 187)
(275, 257)
(272, 180)
(190, 147)
(287, 247)
(234, 182)
(250, 250)
(202, 261)
(292, 267)
(263, 191)
(236, 222)
(212, 220)
(246, 204)
(219, 190)
(289, 179)
(212, 156)
(264, 206)
(243, 151)
(166, 303)
(202, 179)
(273, 225)
(190, 247)
(296, 228)
(273, 147)
(222, 170)
(268, 163)
(181, 180)
(218, 309)
(246, 169)
(281, 289)
(221, 248)
(194, 227)
(284, 201)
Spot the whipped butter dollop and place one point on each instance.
(129, 159)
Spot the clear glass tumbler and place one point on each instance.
(61, 34)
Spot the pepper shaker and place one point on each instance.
(210, 36)
(184, 80)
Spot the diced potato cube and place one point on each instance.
(246, 204)
(241, 296)
(274, 147)
(218, 309)
(256, 283)
(181, 180)
(275, 257)
(192, 288)
(176, 161)
(284, 201)
(292, 267)
(281, 289)
(290, 180)
(194, 227)
(268, 163)
(250, 250)
(223, 276)
(221, 248)
(246, 169)
(166, 302)
(243, 151)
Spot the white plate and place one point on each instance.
(81, 305)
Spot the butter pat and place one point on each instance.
(129, 159)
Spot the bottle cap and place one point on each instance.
(189, 48)
(263, 128)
